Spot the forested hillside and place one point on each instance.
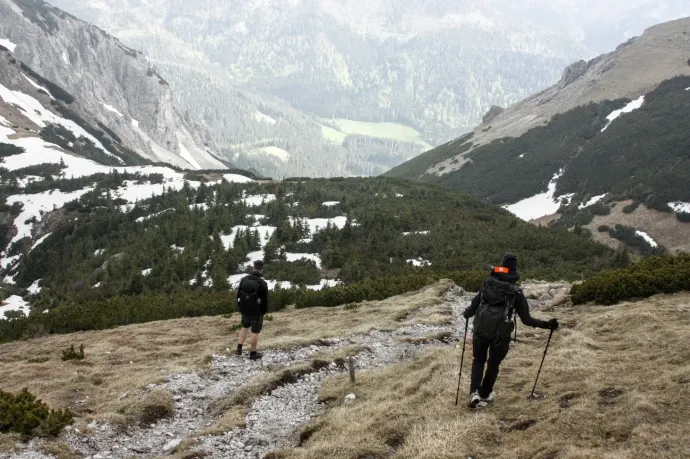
(196, 241)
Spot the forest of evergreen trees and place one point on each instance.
(172, 255)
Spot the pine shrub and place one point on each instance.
(25, 414)
(654, 275)
(683, 217)
(630, 208)
(71, 354)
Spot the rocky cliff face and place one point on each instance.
(111, 83)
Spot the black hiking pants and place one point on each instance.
(484, 382)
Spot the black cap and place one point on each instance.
(510, 261)
(258, 265)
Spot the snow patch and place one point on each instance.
(235, 178)
(262, 117)
(647, 238)
(416, 232)
(634, 105)
(96, 285)
(37, 243)
(521, 156)
(304, 256)
(331, 203)
(317, 224)
(592, 201)
(398, 195)
(14, 303)
(146, 272)
(135, 123)
(7, 44)
(252, 257)
(258, 199)
(37, 86)
(110, 108)
(99, 252)
(325, 283)
(679, 206)
(176, 248)
(35, 289)
(419, 262)
(147, 217)
(188, 157)
(265, 233)
(539, 205)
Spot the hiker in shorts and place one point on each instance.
(493, 310)
(252, 303)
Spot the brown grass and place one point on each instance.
(147, 408)
(125, 359)
(663, 227)
(616, 384)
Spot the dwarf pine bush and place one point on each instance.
(25, 414)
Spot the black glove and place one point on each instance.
(465, 315)
(553, 324)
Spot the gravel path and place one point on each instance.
(273, 420)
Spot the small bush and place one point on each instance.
(604, 228)
(352, 306)
(25, 414)
(683, 217)
(72, 354)
(665, 274)
(268, 317)
(630, 208)
(38, 360)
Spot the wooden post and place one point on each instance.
(351, 369)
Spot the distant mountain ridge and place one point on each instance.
(614, 128)
(110, 82)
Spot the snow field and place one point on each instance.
(539, 205)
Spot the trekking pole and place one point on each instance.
(542, 363)
(462, 359)
(515, 322)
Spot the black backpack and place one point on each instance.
(248, 301)
(494, 318)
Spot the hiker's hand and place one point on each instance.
(553, 324)
(465, 314)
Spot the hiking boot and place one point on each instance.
(476, 401)
(239, 350)
(255, 355)
(490, 398)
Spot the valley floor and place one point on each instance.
(615, 385)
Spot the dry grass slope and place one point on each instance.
(616, 385)
(126, 359)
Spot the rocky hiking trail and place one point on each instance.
(275, 417)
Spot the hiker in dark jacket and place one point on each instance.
(493, 310)
(252, 302)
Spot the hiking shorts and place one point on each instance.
(255, 322)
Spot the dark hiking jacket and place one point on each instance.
(521, 305)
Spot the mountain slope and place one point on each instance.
(113, 85)
(613, 128)
(386, 63)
